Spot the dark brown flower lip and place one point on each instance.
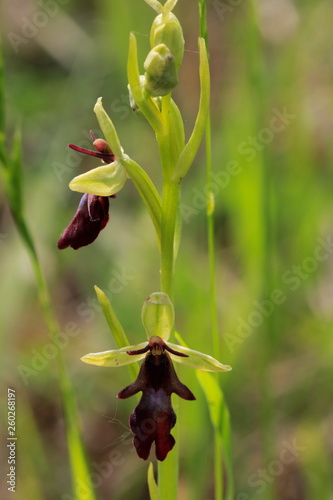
(90, 218)
(153, 418)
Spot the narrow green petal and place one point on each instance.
(198, 360)
(115, 357)
(101, 181)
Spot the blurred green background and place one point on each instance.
(272, 120)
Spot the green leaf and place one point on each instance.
(2, 96)
(15, 176)
(115, 357)
(101, 181)
(116, 329)
(213, 396)
(146, 190)
(220, 418)
(152, 486)
(187, 156)
(108, 128)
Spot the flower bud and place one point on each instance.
(158, 315)
(161, 72)
(166, 29)
(102, 146)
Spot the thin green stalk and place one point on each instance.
(168, 471)
(220, 448)
(257, 77)
(80, 471)
(11, 167)
(170, 200)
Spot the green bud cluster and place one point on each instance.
(166, 55)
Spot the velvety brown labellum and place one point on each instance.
(90, 218)
(153, 418)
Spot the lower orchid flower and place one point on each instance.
(153, 418)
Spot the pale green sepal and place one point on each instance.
(158, 315)
(108, 129)
(101, 181)
(115, 357)
(152, 486)
(196, 359)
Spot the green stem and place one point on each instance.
(168, 470)
(80, 471)
(256, 70)
(171, 192)
(221, 450)
(169, 153)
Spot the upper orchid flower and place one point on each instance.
(92, 214)
(153, 418)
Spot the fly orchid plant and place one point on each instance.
(153, 418)
(150, 97)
